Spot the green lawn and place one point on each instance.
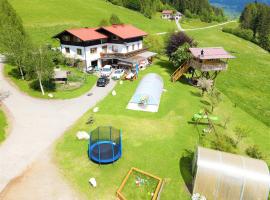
(247, 81)
(87, 82)
(3, 126)
(154, 142)
(188, 23)
(43, 19)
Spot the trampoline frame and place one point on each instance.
(99, 142)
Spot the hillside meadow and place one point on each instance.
(44, 19)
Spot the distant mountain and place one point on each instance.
(234, 7)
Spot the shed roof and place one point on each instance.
(229, 176)
(124, 31)
(210, 53)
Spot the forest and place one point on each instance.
(254, 24)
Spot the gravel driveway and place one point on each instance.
(36, 124)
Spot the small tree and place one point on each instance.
(254, 152)
(240, 133)
(181, 55)
(42, 64)
(104, 22)
(114, 19)
(175, 40)
(154, 43)
(205, 85)
(215, 98)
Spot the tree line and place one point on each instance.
(254, 25)
(191, 8)
(33, 62)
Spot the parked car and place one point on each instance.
(103, 81)
(106, 71)
(118, 74)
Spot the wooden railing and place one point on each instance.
(209, 65)
(180, 71)
(122, 55)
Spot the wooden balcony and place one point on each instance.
(122, 55)
(209, 65)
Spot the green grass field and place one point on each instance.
(3, 126)
(44, 19)
(154, 142)
(23, 85)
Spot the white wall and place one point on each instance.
(86, 55)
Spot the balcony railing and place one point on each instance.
(216, 65)
(122, 55)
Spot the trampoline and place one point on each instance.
(105, 145)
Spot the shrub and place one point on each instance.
(254, 152)
(181, 55)
(175, 40)
(224, 143)
(48, 85)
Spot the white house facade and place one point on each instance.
(105, 45)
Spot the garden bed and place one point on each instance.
(139, 185)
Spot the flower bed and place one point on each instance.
(139, 185)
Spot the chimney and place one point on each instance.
(202, 53)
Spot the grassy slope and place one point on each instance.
(247, 81)
(155, 142)
(3, 125)
(64, 94)
(43, 19)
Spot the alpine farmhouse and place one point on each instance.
(117, 45)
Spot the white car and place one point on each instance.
(106, 70)
(118, 74)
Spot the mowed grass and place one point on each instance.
(247, 81)
(3, 126)
(24, 85)
(154, 142)
(44, 19)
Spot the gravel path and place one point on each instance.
(36, 124)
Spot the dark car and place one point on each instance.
(103, 81)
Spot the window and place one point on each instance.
(114, 49)
(75, 39)
(133, 47)
(127, 48)
(104, 49)
(138, 45)
(79, 52)
(67, 50)
(114, 37)
(93, 50)
(66, 38)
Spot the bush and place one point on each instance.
(175, 40)
(254, 152)
(224, 143)
(48, 85)
(154, 43)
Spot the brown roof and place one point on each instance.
(210, 53)
(87, 34)
(124, 31)
(167, 12)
